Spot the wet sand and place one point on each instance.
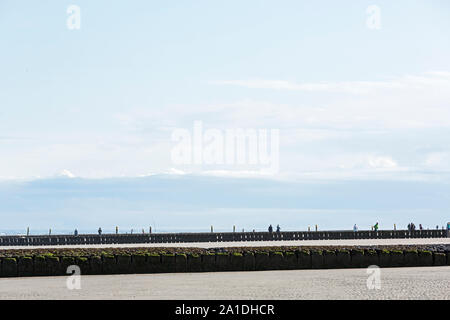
(396, 283)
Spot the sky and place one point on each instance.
(359, 92)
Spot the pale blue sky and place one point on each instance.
(351, 103)
(194, 203)
(82, 99)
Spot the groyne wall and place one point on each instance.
(51, 265)
(55, 240)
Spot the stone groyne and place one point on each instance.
(17, 263)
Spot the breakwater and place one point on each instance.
(86, 239)
(50, 264)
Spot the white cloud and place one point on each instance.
(237, 173)
(434, 79)
(407, 102)
(381, 162)
(321, 133)
(357, 87)
(176, 171)
(437, 159)
(66, 174)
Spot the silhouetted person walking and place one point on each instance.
(99, 231)
(270, 229)
(278, 228)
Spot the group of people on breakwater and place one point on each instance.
(100, 231)
(412, 226)
(375, 227)
(271, 229)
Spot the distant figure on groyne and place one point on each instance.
(270, 229)
(411, 227)
(278, 228)
(100, 231)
